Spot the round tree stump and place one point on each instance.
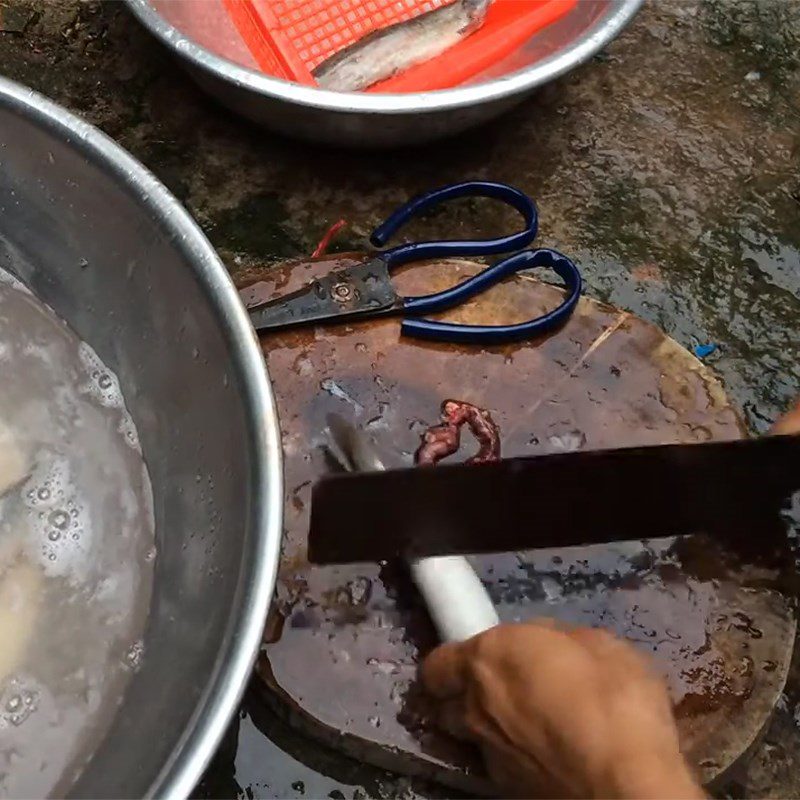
(342, 643)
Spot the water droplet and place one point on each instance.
(386, 667)
(105, 381)
(43, 493)
(396, 695)
(301, 619)
(14, 703)
(552, 589)
(379, 420)
(54, 536)
(568, 442)
(335, 390)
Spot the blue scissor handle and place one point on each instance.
(418, 251)
(494, 334)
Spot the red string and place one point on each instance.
(322, 247)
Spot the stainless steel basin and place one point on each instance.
(364, 119)
(96, 237)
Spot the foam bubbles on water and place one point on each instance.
(101, 383)
(62, 524)
(49, 482)
(59, 520)
(19, 699)
(129, 432)
(79, 526)
(134, 654)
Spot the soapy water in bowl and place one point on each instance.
(76, 548)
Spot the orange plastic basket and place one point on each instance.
(290, 38)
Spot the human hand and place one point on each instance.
(789, 422)
(561, 713)
(564, 713)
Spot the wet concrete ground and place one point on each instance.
(669, 167)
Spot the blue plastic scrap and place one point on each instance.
(703, 350)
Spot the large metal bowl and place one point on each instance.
(95, 236)
(381, 120)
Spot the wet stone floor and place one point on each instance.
(668, 166)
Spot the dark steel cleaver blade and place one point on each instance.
(735, 491)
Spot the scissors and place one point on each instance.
(365, 291)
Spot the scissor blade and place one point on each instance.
(298, 308)
(362, 290)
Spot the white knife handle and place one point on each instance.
(457, 601)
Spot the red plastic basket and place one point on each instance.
(289, 38)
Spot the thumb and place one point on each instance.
(444, 671)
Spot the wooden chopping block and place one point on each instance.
(342, 643)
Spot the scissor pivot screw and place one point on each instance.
(343, 292)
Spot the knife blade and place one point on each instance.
(736, 491)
